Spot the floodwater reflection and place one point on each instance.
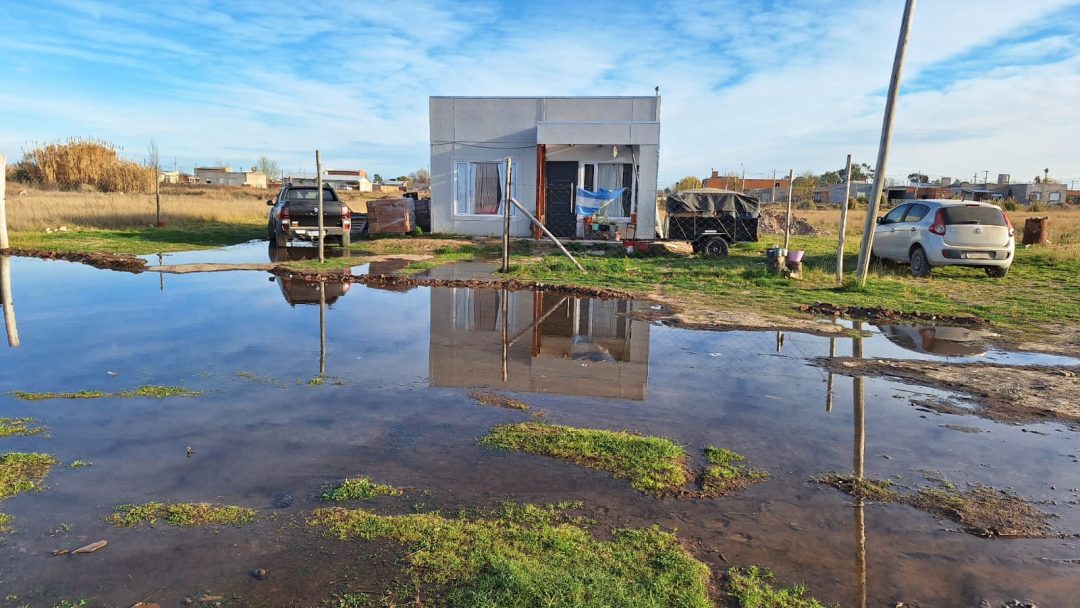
(7, 302)
(537, 342)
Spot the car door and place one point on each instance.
(908, 231)
(885, 234)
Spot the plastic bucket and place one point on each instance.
(795, 256)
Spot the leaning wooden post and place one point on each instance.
(5, 300)
(790, 192)
(883, 147)
(843, 223)
(322, 229)
(506, 218)
(543, 228)
(4, 244)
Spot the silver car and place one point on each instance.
(929, 233)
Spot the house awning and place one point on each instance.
(637, 133)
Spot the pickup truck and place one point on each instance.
(294, 216)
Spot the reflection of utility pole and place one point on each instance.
(505, 335)
(8, 304)
(322, 328)
(858, 461)
(829, 384)
(779, 341)
(161, 275)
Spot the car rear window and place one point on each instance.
(985, 216)
(309, 194)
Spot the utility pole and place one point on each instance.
(843, 224)
(322, 229)
(773, 186)
(506, 217)
(883, 147)
(986, 177)
(742, 187)
(790, 188)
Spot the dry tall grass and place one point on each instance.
(78, 163)
(33, 209)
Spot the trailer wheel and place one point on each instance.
(716, 247)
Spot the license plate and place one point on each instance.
(977, 256)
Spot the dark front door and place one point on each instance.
(560, 218)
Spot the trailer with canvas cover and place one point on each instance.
(711, 220)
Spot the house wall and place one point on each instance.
(483, 129)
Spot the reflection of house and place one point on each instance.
(225, 176)
(556, 145)
(554, 344)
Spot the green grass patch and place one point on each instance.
(755, 587)
(1040, 293)
(181, 514)
(359, 488)
(5, 524)
(21, 472)
(526, 556)
(142, 241)
(19, 427)
(155, 392)
(877, 490)
(724, 474)
(80, 464)
(984, 511)
(652, 464)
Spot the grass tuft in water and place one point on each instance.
(984, 511)
(652, 464)
(486, 398)
(181, 514)
(22, 472)
(877, 490)
(156, 392)
(80, 464)
(359, 488)
(724, 475)
(5, 524)
(527, 555)
(19, 427)
(754, 587)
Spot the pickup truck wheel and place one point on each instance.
(270, 230)
(920, 266)
(281, 240)
(996, 272)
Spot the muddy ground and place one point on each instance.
(1004, 392)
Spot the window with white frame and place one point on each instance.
(613, 176)
(478, 187)
(1054, 197)
(1035, 196)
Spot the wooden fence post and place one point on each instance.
(790, 192)
(322, 229)
(4, 244)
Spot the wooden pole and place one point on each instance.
(883, 146)
(157, 196)
(790, 192)
(548, 233)
(506, 218)
(4, 244)
(322, 229)
(6, 301)
(843, 224)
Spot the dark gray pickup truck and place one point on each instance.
(294, 216)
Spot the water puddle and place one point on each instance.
(404, 362)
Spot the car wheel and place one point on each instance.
(997, 272)
(281, 240)
(270, 230)
(716, 247)
(920, 266)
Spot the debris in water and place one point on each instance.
(487, 398)
(91, 547)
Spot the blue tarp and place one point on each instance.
(588, 203)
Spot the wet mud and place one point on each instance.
(104, 261)
(884, 315)
(1010, 393)
(409, 356)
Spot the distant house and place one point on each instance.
(742, 184)
(1025, 194)
(556, 146)
(834, 194)
(917, 191)
(225, 176)
(169, 177)
(391, 185)
(355, 179)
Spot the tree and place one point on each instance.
(918, 178)
(859, 173)
(268, 166)
(420, 177)
(802, 188)
(401, 178)
(688, 183)
(377, 179)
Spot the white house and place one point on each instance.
(556, 145)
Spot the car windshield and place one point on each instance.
(309, 194)
(985, 216)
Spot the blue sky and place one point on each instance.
(761, 86)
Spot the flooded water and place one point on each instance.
(400, 413)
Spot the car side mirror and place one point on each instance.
(881, 220)
(270, 202)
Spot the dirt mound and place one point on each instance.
(774, 221)
(107, 261)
